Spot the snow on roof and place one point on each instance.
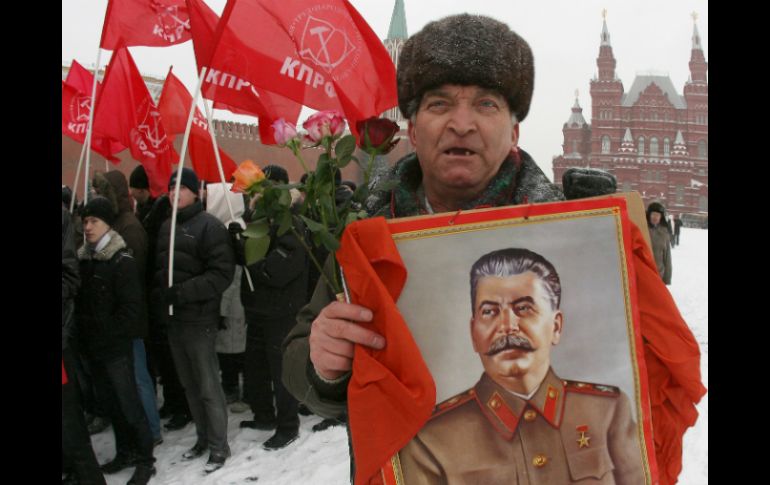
(641, 82)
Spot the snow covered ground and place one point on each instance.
(322, 458)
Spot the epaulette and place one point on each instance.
(589, 388)
(453, 402)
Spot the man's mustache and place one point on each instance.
(509, 342)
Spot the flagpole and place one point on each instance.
(77, 176)
(179, 167)
(213, 134)
(91, 127)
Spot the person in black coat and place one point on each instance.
(280, 286)
(75, 443)
(107, 309)
(203, 269)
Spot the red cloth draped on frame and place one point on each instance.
(391, 392)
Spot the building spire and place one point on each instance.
(397, 28)
(698, 65)
(605, 32)
(606, 60)
(695, 35)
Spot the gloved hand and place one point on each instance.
(579, 183)
(235, 229)
(171, 295)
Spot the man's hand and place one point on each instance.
(333, 334)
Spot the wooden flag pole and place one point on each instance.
(213, 134)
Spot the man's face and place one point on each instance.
(140, 195)
(461, 135)
(655, 218)
(94, 228)
(514, 322)
(186, 196)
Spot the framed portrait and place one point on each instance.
(526, 319)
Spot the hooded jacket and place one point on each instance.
(110, 303)
(113, 186)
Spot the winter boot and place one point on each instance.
(281, 439)
(142, 475)
(120, 462)
(195, 451)
(216, 461)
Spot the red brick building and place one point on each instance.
(654, 140)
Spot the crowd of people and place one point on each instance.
(125, 329)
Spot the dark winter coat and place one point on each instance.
(517, 181)
(110, 300)
(70, 277)
(203, 267)
(113, 186)
(151, 221)
(280, 278)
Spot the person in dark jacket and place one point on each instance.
(75, 443)
(139, 186)
(203, 269)
(280, 285)
(660, 239)
(114, 187)
(108, 306)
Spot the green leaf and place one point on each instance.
(313, 225)
(285, 223)
(285, 198)
(351, 217)
(256, 248)
(344, 150)
(257, 229)
(328, 240)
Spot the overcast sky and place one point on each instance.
(564, 36)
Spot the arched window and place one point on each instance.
(654, 146)
(605, 144)
(574, 146)
(640, 148)
(702, 149)
(666, 147)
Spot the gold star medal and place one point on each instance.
(583, 441)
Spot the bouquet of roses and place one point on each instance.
(323, 213)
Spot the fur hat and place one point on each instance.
(101, 208)
(138, 178)
(656, 207)
(579, 183)
(189, 180)
(466, 50)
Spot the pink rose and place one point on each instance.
(324, 124)
(284, 132)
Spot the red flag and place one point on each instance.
(125, 111)
(75, 111)
(174, 106)
(229, 92)
(81, 79)
(320, 53)
(152, 23)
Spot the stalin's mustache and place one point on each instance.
(509, 342)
